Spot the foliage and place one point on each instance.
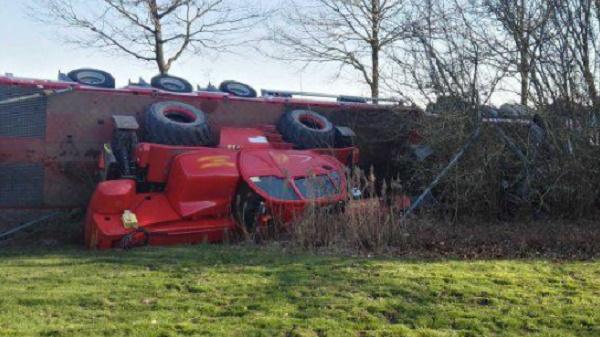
(510, 170)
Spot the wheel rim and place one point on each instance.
(172, 84)
(238, 89)
(179, 116)
(311, 122)
(90, 77)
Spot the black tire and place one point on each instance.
(176, 123)
(306, 129)
(246, 209)
(171, 83)
(488, 111)
(92, 77)
(237, 89)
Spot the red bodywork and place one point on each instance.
(49, 157)
(200, 187)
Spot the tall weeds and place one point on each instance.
(495, 202)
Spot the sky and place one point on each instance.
(31, 49)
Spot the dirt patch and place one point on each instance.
(552, 239)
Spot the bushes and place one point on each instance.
(510, 194)
(555, 175)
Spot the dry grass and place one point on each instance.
(373, 228)
(375, 225)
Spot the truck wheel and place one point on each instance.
(176, 123)
(237, 89)
(171, 83)
(246, 210)
(92, 77)
(306, 129)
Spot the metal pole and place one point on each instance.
(27, 224)
(20, 99)
(474, 136)
(266, 92)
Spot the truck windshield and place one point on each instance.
(316, 187)
(276, 187)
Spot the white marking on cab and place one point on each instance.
(258, 140)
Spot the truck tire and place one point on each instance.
(306, 129)
(171, 83)
(237, 89)
(92, 77)
(176, 123)
(247, 207)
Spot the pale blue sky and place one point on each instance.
(31, 49)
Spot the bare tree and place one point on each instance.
(522, 24)
(348, 33)
(447, 56)
(568, 69)
(158, 31)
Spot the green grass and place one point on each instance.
(237, 291)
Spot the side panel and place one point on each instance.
(202, 183)
(22, 185)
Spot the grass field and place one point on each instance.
(257, 291)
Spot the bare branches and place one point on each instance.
(523, 27)
(159, 31)
(540, 50)
(568, 69)
(447, 55)
(348, 33)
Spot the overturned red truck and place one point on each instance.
(185, 188)
(201, 153)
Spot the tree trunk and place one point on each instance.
(375, 75)
(524, 70)
(163, 68)
(586, 27)
(375, 47)
(523, 52)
